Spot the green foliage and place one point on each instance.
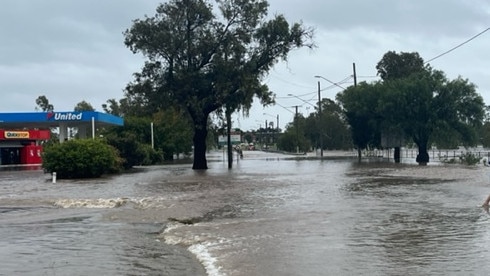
(293, 137)
(201, 62)
(43, 103)
(83, 106)
(417, 101)
(359, 104)
(485, 134)
(468, 158)
(85, 158)
(173, 132)
(395, 66)
(248, 138)
(131, 151)
(329, 129)
(151, 156)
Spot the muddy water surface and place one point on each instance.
(269, 215)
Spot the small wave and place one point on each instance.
(208, 261)
(196, 244)
(140, 203)
(91, 203)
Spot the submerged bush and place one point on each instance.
(467, 158)
(81, 158)
(132, 152)
(470, 159)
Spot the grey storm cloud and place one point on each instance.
(73, 50)
(428, 17)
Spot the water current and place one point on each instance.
(269, 215)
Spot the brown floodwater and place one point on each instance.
(269, 215)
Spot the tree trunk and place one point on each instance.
(200, 134)
(359, 154)
(423, 156)
(228, 140)
(397, 155)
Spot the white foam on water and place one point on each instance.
(151, 202)
(169, 238)
(91, 203)
(141, 203)
(176, 234)
(209, 262)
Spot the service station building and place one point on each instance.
(22, 134)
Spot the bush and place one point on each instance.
(134, 153)
(81, 158)
(152, 156)
(129, 149)
(469, 159)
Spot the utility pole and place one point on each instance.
(277, 126)
(297, 128)
(266, 135)
(355, 76)
(320, 130)
(355, 84)
(277, 132)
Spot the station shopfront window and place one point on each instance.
(22, 147)
(10, 156)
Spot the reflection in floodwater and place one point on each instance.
(267, 216)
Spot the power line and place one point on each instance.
(459, 45)
(288, 82)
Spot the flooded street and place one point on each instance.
(269, 215)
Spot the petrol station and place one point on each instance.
(22, 134)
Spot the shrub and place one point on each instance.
(81, 158)
(469, 159)
(152, 156)
(132, 152)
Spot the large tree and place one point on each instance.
(359, 104)
(424, 105)
(83, 106)
(429, 104)
(204, 62)
(43, 103)
(328, 128)
(395, 65)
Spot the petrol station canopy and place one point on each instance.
(84, 121)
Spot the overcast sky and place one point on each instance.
(73, 50)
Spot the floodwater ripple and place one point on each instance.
(267, 216)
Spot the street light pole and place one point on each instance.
(277, 125)
(319, 118)
(297, 128)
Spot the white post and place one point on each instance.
(63, 132)
(54, 177)
(152, 140)
(93, 128)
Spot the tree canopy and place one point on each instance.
(83, 106)
(43, 103)
(202, 61)
(416, 100)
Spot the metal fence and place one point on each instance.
(433, 153)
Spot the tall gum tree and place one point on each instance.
(434, 106)
(203, 62)
(416, 99)
(425, 105)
